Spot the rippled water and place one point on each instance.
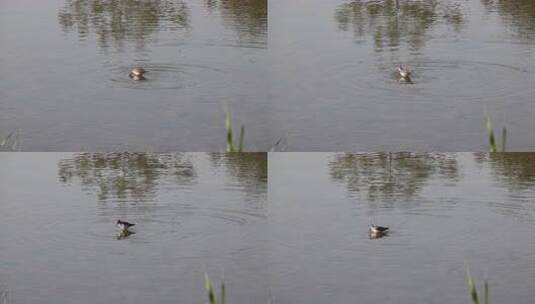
(321, 74)
(65, 83)
(58, 241)
(445, 211)
(295, 234)
(335, 87)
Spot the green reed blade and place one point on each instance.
(486, 292)
(242, 134)
(223, 293)
(490, 130)
(210, 288)
(504, 137)
(228, 126)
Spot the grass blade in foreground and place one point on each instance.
(211, 293)
(230, 138)
(493, 146)
(473, 289)
(210, 289)
(4, 296)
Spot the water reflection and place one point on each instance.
(393, 23)
(518, 14)
(117, 21)
(516, 171)
(250, 170)
(196, 216)
(126, 176)
(247, 18)
(387, 177)
(124, 234)
(459, 212)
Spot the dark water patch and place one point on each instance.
(392, 23)
(123, 21)
(518, 15)
(247, 18)
(377, 175)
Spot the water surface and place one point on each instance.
(193, 212)
(334, 86)
(299, 237)
(445, 211)
(319, 73)
(65, 81)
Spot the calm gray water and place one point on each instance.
(58, 241)
(318, 73)
(299, 237)
(334, 86)
(65, 65)
(444, 212)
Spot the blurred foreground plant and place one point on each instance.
(474, 293)
(493, 147)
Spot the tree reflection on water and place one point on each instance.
(248, 18)
(518, 14)
(119, 21)
(126, 176)
(386, 177)
(516, 171)
(249, 170)
(391, 25)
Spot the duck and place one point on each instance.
(378, 230)
(124, 226)
(137, 73)
(405, 72)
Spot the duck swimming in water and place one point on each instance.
(377, 232)
(405, 72)
(377, 229)
(137, 73)
(124, 226)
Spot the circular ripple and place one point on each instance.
(162, 76)
(462, 80)
(455, 80)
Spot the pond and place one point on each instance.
(319, 74)
(193, 213)
(335, 88)
(445, 212)
(285, 227)
(65, 66)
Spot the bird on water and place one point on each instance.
(377, 232)
(123, 225)
(404, 72)
(137, 73)
(378, 229)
